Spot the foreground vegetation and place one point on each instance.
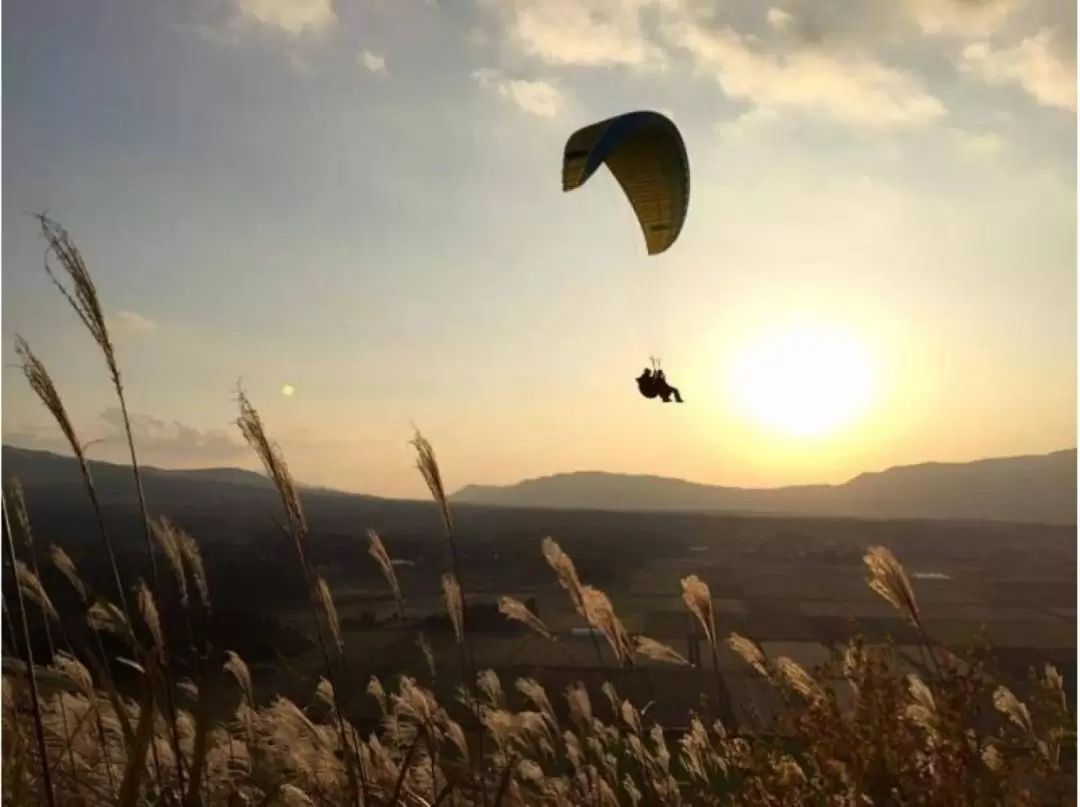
(857, 731)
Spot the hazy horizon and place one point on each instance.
(361, 202)
(421, 495)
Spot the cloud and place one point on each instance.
(172, 442)
(536, 97)
(291, 16)
(980, 144)
(778, 19)
(1040, 64)
(373, 62)
(158, 441)
(226, 21)
(847, 86)
(584, 33)
(129, 323)
(962, 17)
(748, 124)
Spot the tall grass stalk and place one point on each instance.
(22, 516)
(42, 384)
(428, 466)
(86, 303)
(39, 727)
(40, 381)
(251, 427)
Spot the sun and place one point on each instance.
(804, 380)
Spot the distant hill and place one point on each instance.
(1032, 489)
(1035, 489)
(38, 468)
(46, 471)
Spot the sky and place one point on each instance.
(362, 201)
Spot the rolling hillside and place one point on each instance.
(1038, 489)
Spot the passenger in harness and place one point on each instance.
(653, 384)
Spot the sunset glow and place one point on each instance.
(806, 380)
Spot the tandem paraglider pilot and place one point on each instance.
(654, 385)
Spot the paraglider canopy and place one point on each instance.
(645, 153)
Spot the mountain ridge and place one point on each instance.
(1030, 488)
(36, 467)
(1037, 488)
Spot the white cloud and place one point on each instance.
(747, 124)
(586, 33)
(778, 18)
(291, 16)
(962, 17)
(373, 62)
(125, 323)
(1033, 64)
(980, 144)
(847, 86)
(536, 96)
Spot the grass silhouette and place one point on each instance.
(71, 738)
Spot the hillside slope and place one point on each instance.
(1037, 489)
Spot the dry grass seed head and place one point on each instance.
(22, 516)
(104, 616)
(490, 688)
(799, 679)
(456, 735)
(577, 698)
(429, 469)
(429, 654)
(238, 669)
(923, 712)
(658, 651)
(921, 692)
(292, 796)
(889, 580)
(519, 612)
(530, 773)
(600, 614)
(454, 605)
(377, 550)
(751, 653)
(148, 610)
(375, 689)
(189, 688)
(327, 601)
(189, 549)
(612, 696)
(269, 453)
(74, 670)
(324, 692)
(66, 566)
(698, 599)
(165, 535)
(1056, 684)
(413, 701)
(536, 695)
(84, 297)
(32, 589)
(631, 717)
(992, 758)
(564, 570)
(42, 384)
(1009, 705)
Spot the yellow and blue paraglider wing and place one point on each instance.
(646, 154)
